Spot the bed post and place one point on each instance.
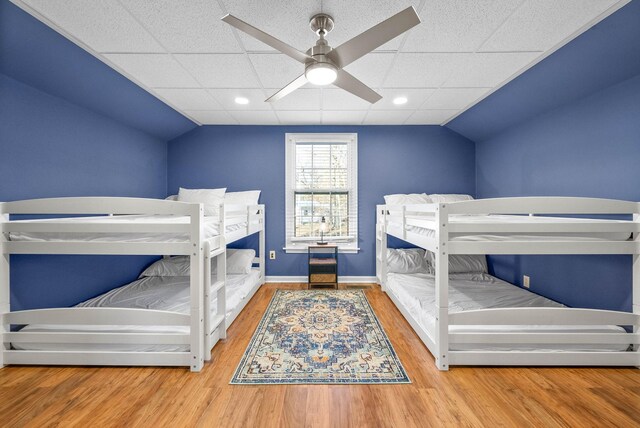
(197, 288)
(207, 300)
(635, 291)
(442, 287)
(381, 256)
(378, 232)
(221, 309)
(262, 247)
(4, 285)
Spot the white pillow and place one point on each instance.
(250, 197)
(238, 262)
(407, 199)
(171, 198)
(462, 263)
(407, 260)
(451, 197)
(211, 198)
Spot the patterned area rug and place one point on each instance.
(319, 337)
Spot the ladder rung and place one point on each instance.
(216, 322)
(217, 286)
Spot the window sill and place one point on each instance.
(303, 249)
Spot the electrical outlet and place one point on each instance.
(525, 281)
(272, 255)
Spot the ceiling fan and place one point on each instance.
(323, 64)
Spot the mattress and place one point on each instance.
(159, 293)
(472, 291)
(499, 219)
(211, 226)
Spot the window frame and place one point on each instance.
(348, 244)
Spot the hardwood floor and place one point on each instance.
(40, 396)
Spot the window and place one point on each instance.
(322, 182)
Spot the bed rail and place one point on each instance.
(544, 205)
(543, 316)
(96, 205)
(96, 316)
(242, 221)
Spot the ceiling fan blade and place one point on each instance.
(266, 38)
(374, 37)
(356, 87)
(295, 84)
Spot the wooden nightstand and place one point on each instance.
(323, 265)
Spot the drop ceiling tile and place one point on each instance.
(263, 117)
(387, 117)
(356, 16)
(541, 24)
(153, 70)
(284, 20)
(457, 26)
(415, 98)
(226, 98)
(103, 25)
(276, 70)
(489, 69)
(189, 99)
(299, 117)
(424, 70)
(187, 26)
(220, 70)
(300, 99)
(430, 117)
(351, 117)
(339, 99)
(212, 117)
(371, 68)
(453, 98)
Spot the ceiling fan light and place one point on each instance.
(400, 100)
(241, 100)
(321, 73)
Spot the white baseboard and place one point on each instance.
(341, 279)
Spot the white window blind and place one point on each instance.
(321, 181)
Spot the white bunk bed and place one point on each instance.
(123, 226)
(512, 226)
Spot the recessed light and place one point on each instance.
(400, 100)
(242, 100)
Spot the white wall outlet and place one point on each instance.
(525, 281)
(272, 255)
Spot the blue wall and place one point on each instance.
(72, 126)
(391, 159)
(569, 127)
(50, 147)
(36, 55)
(606, 54)
(590, 148)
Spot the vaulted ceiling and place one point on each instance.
(183, 54)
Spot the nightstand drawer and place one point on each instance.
(323, 277)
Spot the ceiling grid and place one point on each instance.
(187, 57)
